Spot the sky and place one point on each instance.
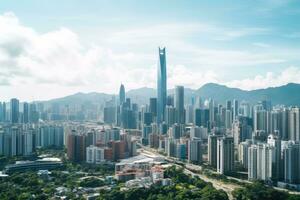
(54, 48)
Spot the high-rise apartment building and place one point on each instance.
(14, 110)
(225, 154)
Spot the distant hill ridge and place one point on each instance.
(287, 94)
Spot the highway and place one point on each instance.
(227, 187)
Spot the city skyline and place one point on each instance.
(248, 45)
(131, 99)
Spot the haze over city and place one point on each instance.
(51, 49)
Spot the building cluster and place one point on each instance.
(23, 139)
(141, 171)
(95, 144)
(24, 112)
(258, 137)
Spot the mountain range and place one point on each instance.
(287, 94)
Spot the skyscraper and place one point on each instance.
(153, 106)
(161, 85)
(25, 112)
(14, 110)
(294, 124)
(225, 154)
(1, 113)
(235, 108)
(212, 150)
(122, 94)
(179, 104)
(195, 150)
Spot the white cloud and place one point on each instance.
(46, 65)
(270, 79)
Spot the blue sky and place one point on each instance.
(67, 46)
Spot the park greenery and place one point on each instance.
(259, 191)
(29, 185)
(73, 176)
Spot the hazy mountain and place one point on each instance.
(287, 94)
(81, 98)
(141, 95)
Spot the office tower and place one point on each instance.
(170, 115)
(198, 132)
(235, 108)
(147, 118)
(2, 144)
(243, 153)
(109, 114)
(212, 150)
(170, 100)
(14, 110)
(153, 107)
(161, 85)
(114, 134)
(228, 105)
(1, 112)
(25, 112)
(195, 150)
(128, 115)
(198, 103)
(155, 128)
(190, 114)
(266, 104)
(146, 131)
(163, 128)
(245, 109)
(175, 131)
(225, 155)
(170, 147)
(154, 140)
(121, 94)
(181, 151)
(179, 104)
(241, 129)
(201, 117)
(228, 119)
(294, 121)
(33, 113)
(211, 107)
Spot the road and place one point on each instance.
(228, 187)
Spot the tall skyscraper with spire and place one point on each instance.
(161, 85)
(122, 94)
